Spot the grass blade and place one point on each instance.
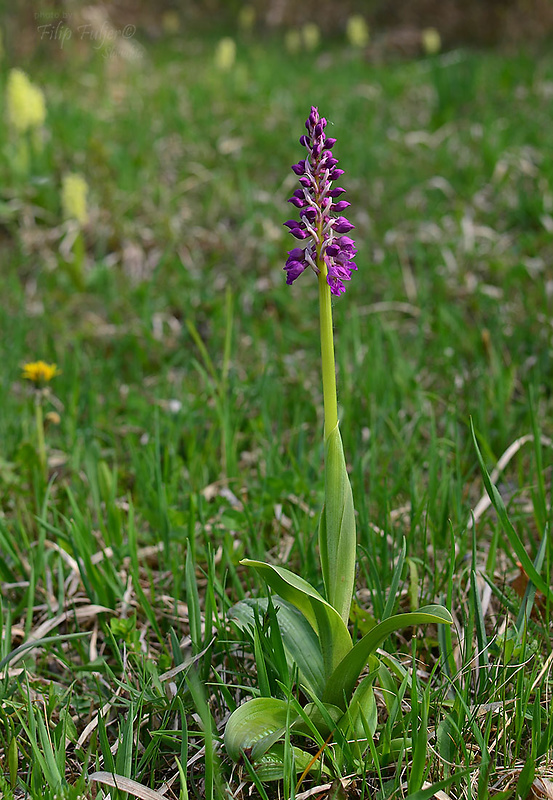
(512, 535)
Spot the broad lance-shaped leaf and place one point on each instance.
(361, 715)
(323, 618)
(341, 683)
(258, 724)
(301, 643)
(337, 538)
(255, 729)
(271, 765)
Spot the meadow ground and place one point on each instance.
(183, 431)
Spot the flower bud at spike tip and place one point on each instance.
(74, 191)
(317, 223)
(25, 102)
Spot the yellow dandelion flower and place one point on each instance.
(74, 190)
(431, 41)
(311, 35)
(225, 54)
(25, 102)
(357, 31)
(39, 371)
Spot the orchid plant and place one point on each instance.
(313, 627)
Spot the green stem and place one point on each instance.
(41, 444)
(327, 352)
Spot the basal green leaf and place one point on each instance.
(255, 726)
(323, 618)
(290, 587)
(341, 683)
(270, 767)
(323, 716)
(301, 643)
(361, 715)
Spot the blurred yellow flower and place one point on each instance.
(246, 18)
(431, 41)
(357, 31)
(311, 35)
(25, 102)
(225, 54)
(74, 190)
(170, 22)
(39, 371)
(292, 40)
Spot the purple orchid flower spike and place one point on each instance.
(321, 222)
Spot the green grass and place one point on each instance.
(190, 413)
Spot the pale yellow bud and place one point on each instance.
(25, 102)
(311, 36)
(170, 22)
(357, 31)
(225, 54)
(292, 40)
(431, 41)
(74, 191)
(246, 18)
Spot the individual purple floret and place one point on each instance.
(318, 206)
